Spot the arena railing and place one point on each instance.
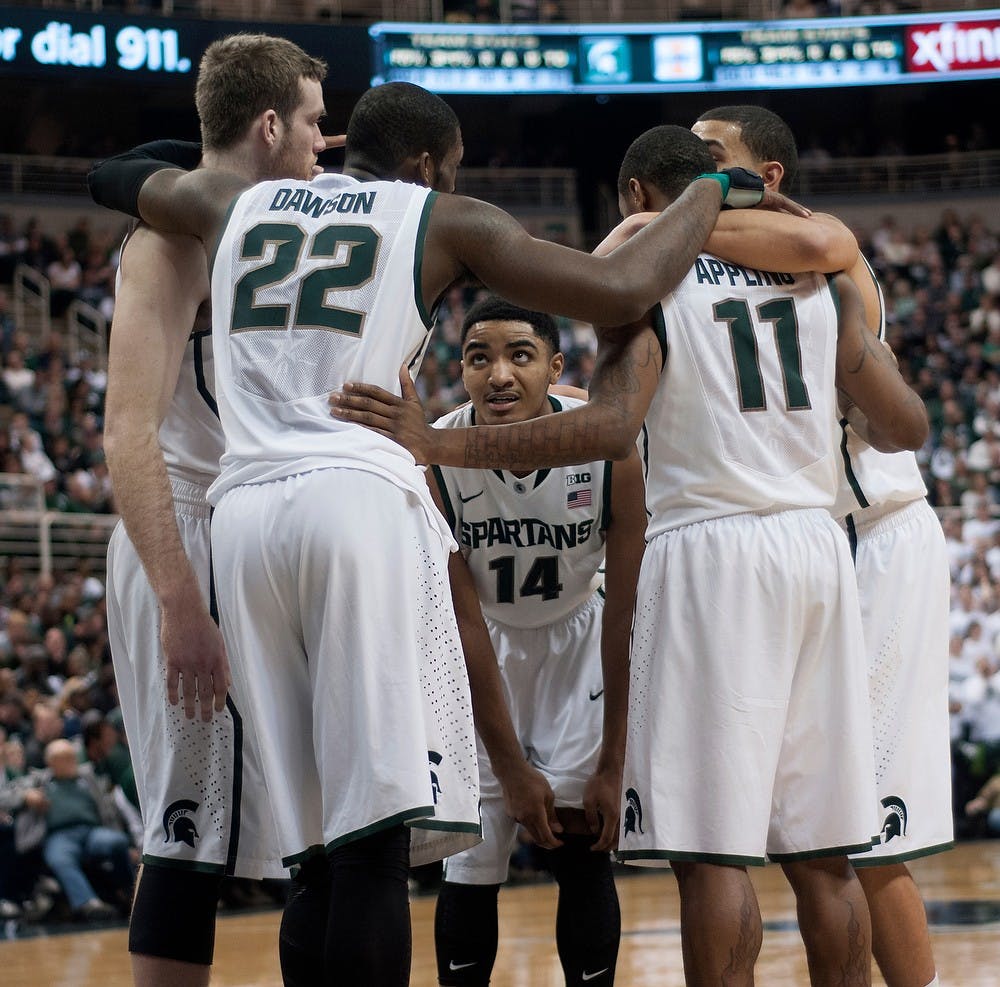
(547, 188)
(86, 328)
(44, 542)
(87, 334)
(32, 293)
(513, 11)
(48, 543)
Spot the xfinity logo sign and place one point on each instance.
(948, 47)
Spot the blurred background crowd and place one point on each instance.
(60, 727)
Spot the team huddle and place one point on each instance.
(695, 617)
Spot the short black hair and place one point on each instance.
(495, 309)
(667, 157)
(93, 726)
(765, 134)
(396, 121)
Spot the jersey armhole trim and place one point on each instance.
(834, 293)
(852, 478)
(660, 328)
(881, 297)
(606, 516)
(449, 509)
(418, 260)
(214, 247)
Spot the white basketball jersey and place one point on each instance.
(315, 284)
(190, 434)
(744, 415)
(869, 478)
(534, 543)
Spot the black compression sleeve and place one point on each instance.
(116, 182)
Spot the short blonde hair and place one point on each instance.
(244, 75)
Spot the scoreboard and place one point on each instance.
(645, 58)
(67, 43)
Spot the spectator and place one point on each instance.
(82, 827)
(65, 278)
(987, 804)
(33, 677)
(34, 248)
(6, 318)
(110, 758)
(984, 455)
(17, 377)
(46, 726)
(981, 527)
(976, 650)
(56, 651)
(98, 280)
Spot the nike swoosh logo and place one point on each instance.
(594, 696)
(461, 966)
(465, 500)
(590, 976)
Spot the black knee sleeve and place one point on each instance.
(466, 933)
(303, 925)
(368, 938)
(588, 920)
(173, 914)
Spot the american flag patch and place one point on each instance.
(578, 498)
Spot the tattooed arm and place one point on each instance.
(625, 378)
(886, 412)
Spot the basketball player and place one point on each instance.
(747, 606)
(533, 545)
(201, 791)
(903, 581)
(313, 285)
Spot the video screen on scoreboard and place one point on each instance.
(657, 57)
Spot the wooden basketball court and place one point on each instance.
(962, 889)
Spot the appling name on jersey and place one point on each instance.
(525, 533)
(302, 200)
(716, 272)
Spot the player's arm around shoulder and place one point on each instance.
(892, 416)
(163, 281)
(528, 797)
(776, 241)
(193, 203)
(623, 556)
(613, 290)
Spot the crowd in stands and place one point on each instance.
(57, 690)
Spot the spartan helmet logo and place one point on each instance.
(633, 813)
(435, 758)
(178, 826)
(895, 821)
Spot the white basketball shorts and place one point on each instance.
(903, 581)
(336, 610)
(200, 784)
(553, 684)
(749, 727)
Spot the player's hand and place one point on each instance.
(196, 659)
(625, 230)
(777, 202)
(332, 141)
(528, 798)
(602, 806)
(399, 418)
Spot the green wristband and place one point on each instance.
(722, 179)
